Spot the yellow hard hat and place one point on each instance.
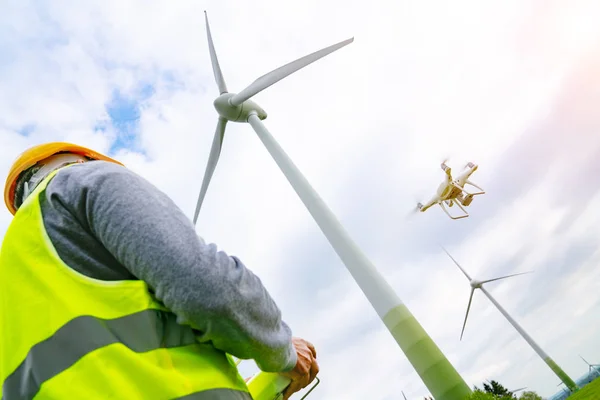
(35, 154)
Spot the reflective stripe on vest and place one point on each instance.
(64, 335)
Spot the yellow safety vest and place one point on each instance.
(64, 335)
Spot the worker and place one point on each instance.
(106, 291)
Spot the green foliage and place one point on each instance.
(529, 395)
(495, 390)
(478, 394)
(498, 390)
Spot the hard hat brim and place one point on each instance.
(35, 154)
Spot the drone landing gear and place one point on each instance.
(466, 214)
(468, 182)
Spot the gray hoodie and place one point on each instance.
(109, 223)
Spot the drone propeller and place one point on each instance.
(447, 158)
(255, 87)
(418, 204)
(408, 215)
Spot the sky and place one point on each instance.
(513, 86)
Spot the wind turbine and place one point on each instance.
(592, 367)
(475, 284)
(440, 377)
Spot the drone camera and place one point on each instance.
(466, 200)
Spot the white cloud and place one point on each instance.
(367, 125)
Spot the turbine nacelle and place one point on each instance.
(475, 284)
(237, 113)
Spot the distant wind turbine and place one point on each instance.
(438, 374)
(592, 367)
(475, 284)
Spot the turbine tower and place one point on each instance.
(437, 373)
(475, 284)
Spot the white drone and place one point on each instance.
(452, 191)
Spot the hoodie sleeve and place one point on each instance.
(151, 238)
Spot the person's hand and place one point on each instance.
(306, 368)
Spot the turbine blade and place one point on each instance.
(507, 276)
(467, 314)
(584, 360)
(457, 264)
(278, 74)
(214, 60)
(213, 158)
(403, 395)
